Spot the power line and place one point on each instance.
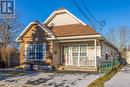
(84, 4)
(91, 19)
(84, 14)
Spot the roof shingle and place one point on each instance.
(72, 30)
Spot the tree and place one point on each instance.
(120, 37)
(9, 28)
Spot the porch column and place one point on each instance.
(95, 52)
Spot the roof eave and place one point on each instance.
(75, 37)
(46, 30)
(17, 39)
(110, 43)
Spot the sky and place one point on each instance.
(116, 13)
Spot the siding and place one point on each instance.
(22, 53)
(112, 52)
(63, 19)
(56, 53)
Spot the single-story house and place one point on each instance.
(66, 41)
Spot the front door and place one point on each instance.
(75, 55)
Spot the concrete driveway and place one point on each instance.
(50, 80)
(121, 79)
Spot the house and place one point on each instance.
(66, 42)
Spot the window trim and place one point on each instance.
(44, 52)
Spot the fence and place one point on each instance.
(105, 66)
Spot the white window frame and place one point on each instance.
(44, 52)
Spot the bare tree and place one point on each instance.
(120, 37)
(9, 28)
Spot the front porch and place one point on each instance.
(79, 55)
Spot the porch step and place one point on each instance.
(76, 68)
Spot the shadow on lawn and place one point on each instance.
(50, 80)
(12, 74)
(38, 81)
(44, 81)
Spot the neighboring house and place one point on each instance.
(67, 41)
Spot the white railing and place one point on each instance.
(88, 63)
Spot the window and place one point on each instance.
(106, 56)
(75, 50)
(79, 54)
(83, 50)
(35, 51)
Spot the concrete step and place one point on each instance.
(76, 68)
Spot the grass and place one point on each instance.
(101, 80)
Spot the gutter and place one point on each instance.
(75, 37)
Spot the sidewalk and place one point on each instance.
(121, 79)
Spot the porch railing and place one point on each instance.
(88, 63)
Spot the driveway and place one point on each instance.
(43, 79)
(121, 79)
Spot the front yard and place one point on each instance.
(47, 79)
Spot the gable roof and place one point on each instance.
(62, 30)
(40, 25)
(62, 11)
(72, 30)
